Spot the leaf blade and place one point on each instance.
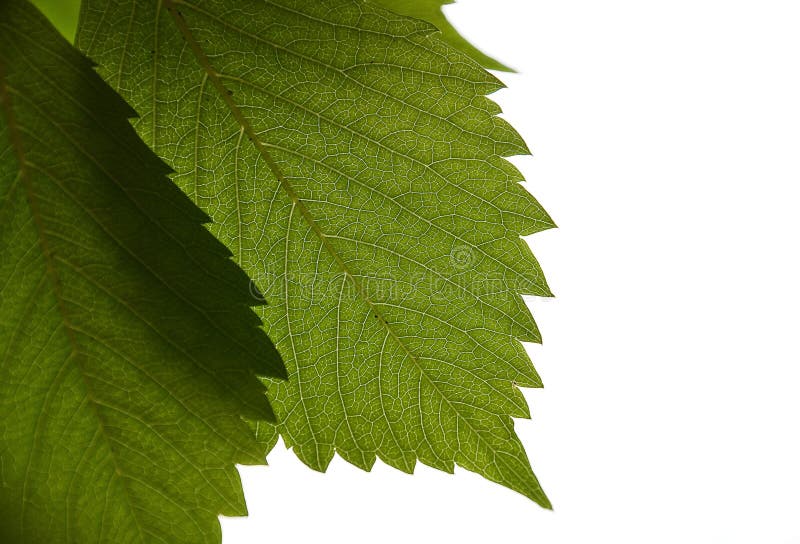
(431, 11)
(376, 164)
(122, 394)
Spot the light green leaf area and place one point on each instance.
(431, 11)
(352, 162)
(129, 355)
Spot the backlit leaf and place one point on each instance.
(352, 162)
(431, 11)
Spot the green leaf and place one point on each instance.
(355, 167)
(128, 352)
(431, 11)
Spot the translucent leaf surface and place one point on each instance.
(354, 165)
(128, 351)
(431, 11)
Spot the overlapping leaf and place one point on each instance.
(352, 162)
(128, 352)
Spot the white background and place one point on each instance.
(667, 147)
